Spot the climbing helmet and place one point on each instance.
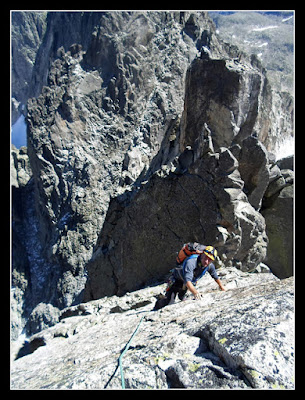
(210, 252)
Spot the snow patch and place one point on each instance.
(264, 28)
(284, 148)
(263, 44)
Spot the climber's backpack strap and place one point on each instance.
(202, 273)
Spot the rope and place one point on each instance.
(126, 348)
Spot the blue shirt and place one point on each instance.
(192, 270)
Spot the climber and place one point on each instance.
(184, 278)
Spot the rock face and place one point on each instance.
(241, 338)
(27, 32)
(21, 186)
(207, 204)
(278, 215)
(279, 220)
(215, 89)
(95, 128)
(146, 132)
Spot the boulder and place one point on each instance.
(274, 172)
(275, 187)
(278, 203)
(253, 168)
(215, 93)
(41, 317)
(21, 171)
(286, 163)
(279, 227)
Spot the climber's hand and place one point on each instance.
(197, 296)
(219, 283)
(193, 290)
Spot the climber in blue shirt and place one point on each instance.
(184, 278)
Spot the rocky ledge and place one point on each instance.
(241, 338)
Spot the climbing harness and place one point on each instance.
(124, 351)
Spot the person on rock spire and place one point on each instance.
(184, 278)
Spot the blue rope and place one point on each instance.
(126, 348)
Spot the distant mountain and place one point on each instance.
(269, 35)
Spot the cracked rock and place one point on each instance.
(241, 338)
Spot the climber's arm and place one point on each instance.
(193, 290)
(219, 283)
